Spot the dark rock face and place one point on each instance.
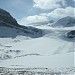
(10, 28)
(7, 18)
(71, 34)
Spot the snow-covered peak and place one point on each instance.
(65, 22)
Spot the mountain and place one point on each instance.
(7, 18)
(10, 28)
(65, 22)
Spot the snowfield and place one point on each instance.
(50, 51)
(53, 61)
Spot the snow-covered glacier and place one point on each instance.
(35, 50)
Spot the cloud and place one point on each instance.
(33, 19)
(55, 14)
(61, 12)
(49, 4)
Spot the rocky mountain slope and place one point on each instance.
(10, 28)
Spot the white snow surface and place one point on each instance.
(47, 51)
(53, 61)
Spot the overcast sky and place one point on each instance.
(28, 11)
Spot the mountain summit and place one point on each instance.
(65, 22)
(5, 17)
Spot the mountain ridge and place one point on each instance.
(8, 23)
(65, 22)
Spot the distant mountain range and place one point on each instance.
(65, 22)
(10, 28)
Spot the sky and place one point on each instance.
(31, 11)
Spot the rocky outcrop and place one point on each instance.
(5, 17)
(71, 34)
